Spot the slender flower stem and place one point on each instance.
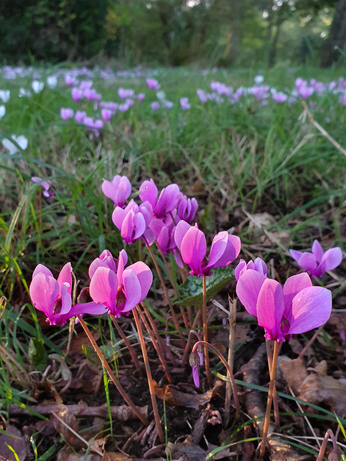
(111, 375)
(189, 340)
(328, 434)
(127, 342)
(275, 396)
(205, 330)
(149, 377)
(158, 270)
(156, 345)
(165, 350)
(232, 320)
(229, 370)
(270, 399)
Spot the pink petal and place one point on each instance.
(41, 269)
(311, 308)
(193, 249)
(248, 288)
(109, 190)
(239, 270)
(180, 231)
(139, 225)
(145, 277)
(270, 308)
(66, 301)
(44, 291)
(122, 261)
(231, 252)
(118, 217)
(218, 247)
(65, 277)
(296, 254)
(132, 289)
(103, 287)
(293, 286)
(317, 250)
(148, 192)
(330, 260)
(87, 308)
(308, 262)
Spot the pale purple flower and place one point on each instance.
(119, 190)
(53, 297)
(5, 95)
(92, 95)
(164, 234)
(305, 91)
(130, 221)
(80, 116)
(86, 84)
(70, 80)
(45, 186)
(279, 97)
(192, 244)
(203, 97)
(140, 96)
(155, 105)
(11, 147)
(66, 113)
(37, 86)
(187, 208)
(168, 104)
(121, 290)
(2, 111)
(185, 105)
(259, 79)
(257, 265)
(318, 262)
(153, 84)
(106, 115)
(295, 308)
(125, 93)
(52, 81)
(167, 201)
(77, 94)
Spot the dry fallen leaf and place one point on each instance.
(294, 372)
(181, 399)
(12, 438)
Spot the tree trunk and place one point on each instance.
(335, 45)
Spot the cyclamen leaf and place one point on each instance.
(191, 291)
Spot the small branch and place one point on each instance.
(205, 331)
(232, 319)
(275, 396)
(127, 342)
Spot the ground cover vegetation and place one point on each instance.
(123, 329)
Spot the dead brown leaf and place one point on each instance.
(14, 439)
(294, 372)
(181, 399)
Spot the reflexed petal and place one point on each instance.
(40, 268)
(109, 190)
(145, 277)
(95, 265)
(148, 192)
(239, 270)
(139, 226)
(330, 260)
(248, 288)
(66, 301)
(118, 217)
(293, 286)
(270, 308)
(180, 231)
(311, 308)
(44, 291)
(317, 251)
(218, 248)
(232, 250)
(87, 308)
(168, 200)
(260, 266)
(124, 190)
(65, 277)
(132, 289)
(308, 262)
(103, 287)
(122, 261)
(193, 249)
(177, 258)
(296, 254)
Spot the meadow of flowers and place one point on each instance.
(171, 260)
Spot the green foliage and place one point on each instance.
(191, 291)
(37, 354)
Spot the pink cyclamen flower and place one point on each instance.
(153, 84)
(106, 115)
(121, 290)
(45, 186)
(119, 190)
(185, 105)
(132, 221)
(318, 262)
(53, 297)
(187, 208)
(66, 114)
(257, 265)
(167, 201)
(77, 94)
(279, 97)
(193, 247)
(295, 308)
(155, 105)
(80, 116)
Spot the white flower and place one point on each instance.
(12, 148)
(2, 111)
(5, 95)
(37, 86)
(24, 93)
(259, 79)
(52, 81)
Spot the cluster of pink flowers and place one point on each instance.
(113, 288)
